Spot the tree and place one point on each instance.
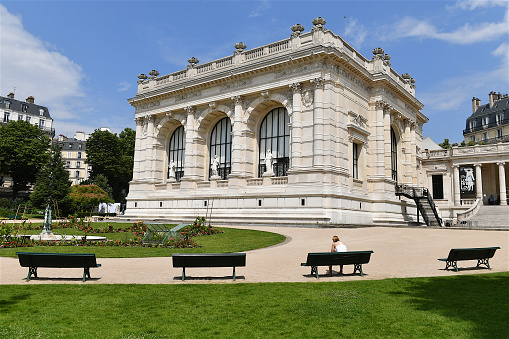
(445, 144)
(88, 196)
(24, 150)
(54, 171)
(112, 156)
(101, 181)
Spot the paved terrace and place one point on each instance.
(398, 253)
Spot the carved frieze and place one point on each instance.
(147, 106)
(307, 97)
(188, 96)
(296, 70)
(236, 85)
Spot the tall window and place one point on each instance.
(20, 117)
(24, 108)
(355, 159)
(41, 124)
(7, 104)
(221, 146)
(176, 153)
(6, 116)
(438, 186)
(275, 136)
(394, 155)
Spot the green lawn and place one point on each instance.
(466, 306)
(232, 240)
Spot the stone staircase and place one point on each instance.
(490, 217)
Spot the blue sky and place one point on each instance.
(81, 59)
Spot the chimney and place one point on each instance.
(474, 104)
(478, 102)
(10, 95)
(492, 96)
(30, 100)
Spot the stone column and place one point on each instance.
(190, 161)
(295, 128)
(318, 137)
(413, 154)
(386, 139)
(237, 143)
(137, 149)
(456, 186)
(150, 164)
(407, 153)
(478, 182)
(501, 179)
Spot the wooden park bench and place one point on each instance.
(34, 260)
(481, 254)
(208, 260)
(356, 258)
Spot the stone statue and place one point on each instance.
(171, 169)
(215, 166)
(269, 158)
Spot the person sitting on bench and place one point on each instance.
(337, 246)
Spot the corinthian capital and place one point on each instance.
(237, 100)
(296, 87)
(190, 110)
(318, 82)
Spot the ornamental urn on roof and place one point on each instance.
(193, 61)
(142, 76)
(240, 46)
(378, 50)
(153, 73)
(318, 21)
(405, 76)
(298, 28)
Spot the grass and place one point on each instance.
(232, 240)
(466, 306)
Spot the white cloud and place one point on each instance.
(34, 68)
(124, 86)
(356, 31)
(467, 34)
(454, 92)
(258, 11)
(474, 4)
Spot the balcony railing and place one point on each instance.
(486, 126)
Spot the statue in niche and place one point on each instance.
(269, 159)
(215, 166)
(171, 170)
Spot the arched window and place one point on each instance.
(275, 136)
(394, 155)
(176, 153)
(221, 146)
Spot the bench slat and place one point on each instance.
(33, 260)
(208, 260)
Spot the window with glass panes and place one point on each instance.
(221, 145)
(394, 155)
(355, 158)
(176, 152)
(275, 136)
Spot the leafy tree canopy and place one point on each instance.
(88, 196)
(55, 174)
(112, 156)
(24, 150)
(445, 144)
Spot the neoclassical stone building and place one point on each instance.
(302, 131)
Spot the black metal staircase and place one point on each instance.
(424, 202)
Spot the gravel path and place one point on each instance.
(398, 252)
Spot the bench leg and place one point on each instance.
(483, 262)
(314, 269)
(451, 264)
(233, 272)
(86, 273)
(358, 267)
(32, 270)
(183, 273)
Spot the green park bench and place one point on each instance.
(208, 260)
(34, 260)
(481, 254)
(356, 258)
(17, 217)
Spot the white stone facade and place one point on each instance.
(332, 98)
